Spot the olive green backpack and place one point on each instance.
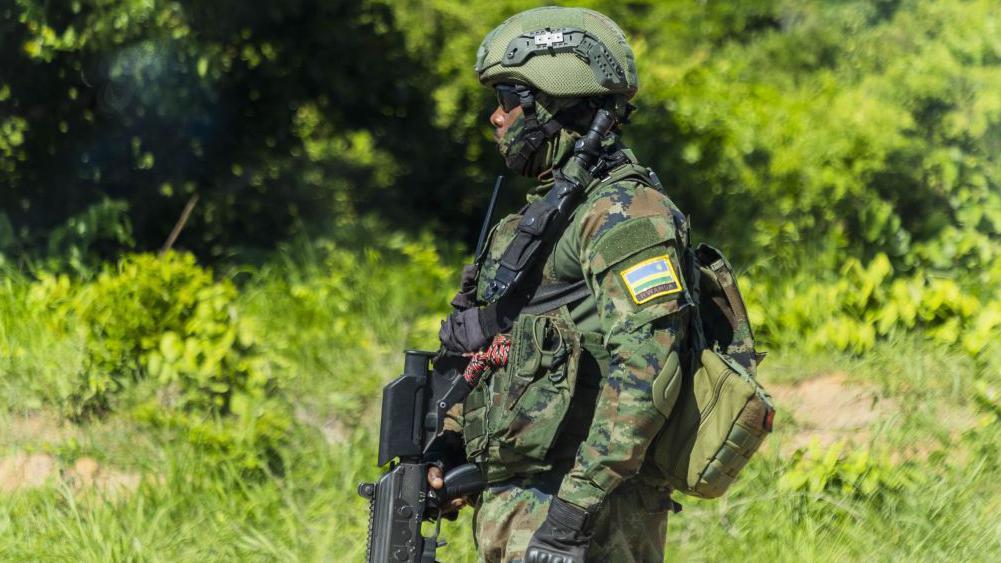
(721, 414)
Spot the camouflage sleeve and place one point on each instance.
(630, 257)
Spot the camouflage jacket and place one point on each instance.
(577, 391)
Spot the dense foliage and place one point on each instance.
(845, 154)
(278, 118)
(811, 140)
(859, 127)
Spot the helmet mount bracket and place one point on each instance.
(549, 41)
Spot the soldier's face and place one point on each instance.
(502, 120)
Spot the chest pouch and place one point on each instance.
(525, 404)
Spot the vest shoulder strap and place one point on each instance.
(552, 296)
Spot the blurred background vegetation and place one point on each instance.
(219, 400)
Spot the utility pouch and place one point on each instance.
(721, 414)
(719, 420)
(530, 397)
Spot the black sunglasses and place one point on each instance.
(507, 96)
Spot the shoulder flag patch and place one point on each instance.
(650, 279)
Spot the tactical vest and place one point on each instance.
(532, 414)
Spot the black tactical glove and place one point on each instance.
(466, 298)
(463, 332)
(563, 537)
(447, 450)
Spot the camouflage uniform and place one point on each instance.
(581, 426)
(631, 526)
(572, 414)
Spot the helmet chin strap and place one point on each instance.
(527, 99)
(545, 219)
(534, 134)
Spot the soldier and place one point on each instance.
(562, 430)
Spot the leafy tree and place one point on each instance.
(814, 130)
(278, 118)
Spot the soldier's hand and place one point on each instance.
(462, 332)
(563, 537)
(437, 481)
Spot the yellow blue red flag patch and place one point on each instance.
(651, 279)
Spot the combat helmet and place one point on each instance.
(563, 52)
(561, 66)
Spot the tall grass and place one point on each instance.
(338, 322)
(34, 361)
(187, 511)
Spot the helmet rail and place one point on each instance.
(607, 71)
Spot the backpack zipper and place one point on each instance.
(712, 404)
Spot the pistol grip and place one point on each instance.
(463, 481)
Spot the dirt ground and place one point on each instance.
(825, 408)
(20, 469)
(829, 408)
(832, 407)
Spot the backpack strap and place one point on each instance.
(626, 168)
(739, 344)
(693, 279)
(724, 274)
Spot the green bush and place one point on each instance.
(866, 302)
(857, 473)
(160, 332)
(343, 313)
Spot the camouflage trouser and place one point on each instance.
(631, 526)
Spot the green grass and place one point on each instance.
(186, 510)
(942, 514)
(34, 361)
(338, 345)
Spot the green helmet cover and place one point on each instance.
(563, 52)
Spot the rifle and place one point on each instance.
(413, 413)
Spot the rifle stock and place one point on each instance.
(413, 408)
